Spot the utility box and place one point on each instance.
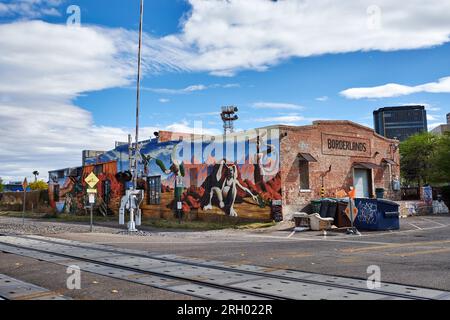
(154, 190)
(377, 215)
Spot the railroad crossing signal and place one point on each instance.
(92, 180)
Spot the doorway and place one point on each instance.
(363, 182)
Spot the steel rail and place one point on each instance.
(247, 272)
(153, 273)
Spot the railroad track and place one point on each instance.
(14, 289)
(205, 279)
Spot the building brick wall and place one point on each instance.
(310, 139)
(165, 136)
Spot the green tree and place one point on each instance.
(441, 160)
(38, 185)
(417, 155)
(1, 185)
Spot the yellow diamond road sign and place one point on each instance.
(92, 180)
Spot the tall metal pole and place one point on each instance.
(92, 218)
(138, 96)
(24, 204)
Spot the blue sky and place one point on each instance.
(287, 62)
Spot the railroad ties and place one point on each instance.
(207, 279)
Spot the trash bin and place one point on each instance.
(316, 205)
(342, 220)
(328, 208)
(332, 209)
(377, 215)
(390, 213)
(379, 192)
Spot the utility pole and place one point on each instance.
(133, 198)
(24, 186)
(138, 98)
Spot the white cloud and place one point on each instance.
(289, 119)
(431, 108)
(224, 37)
(322, 99)
(163, 100)
(395, 90)
(276, 106)
(428, 106)
(186, 90)
(191, 89)
(197, 128)
(43, 67)
(30, 9)
(432, 126)
(46, 59)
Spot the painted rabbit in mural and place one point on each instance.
(228, 191)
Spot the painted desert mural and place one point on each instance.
(192, 179)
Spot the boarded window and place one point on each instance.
(304, 174)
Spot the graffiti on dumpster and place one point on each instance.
(367, 213)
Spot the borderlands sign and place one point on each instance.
(345, 146)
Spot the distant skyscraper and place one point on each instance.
(400, 122)
(443, 127)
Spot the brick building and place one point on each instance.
(242, 175)
(335, 155)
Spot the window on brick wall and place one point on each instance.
(304, 174)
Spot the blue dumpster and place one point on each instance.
(377, 215)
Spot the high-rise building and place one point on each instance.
(443, 127)
(400, 122)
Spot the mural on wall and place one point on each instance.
(238, 177)
(64, 188)
(67, 188)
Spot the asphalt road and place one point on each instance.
(417, 255)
